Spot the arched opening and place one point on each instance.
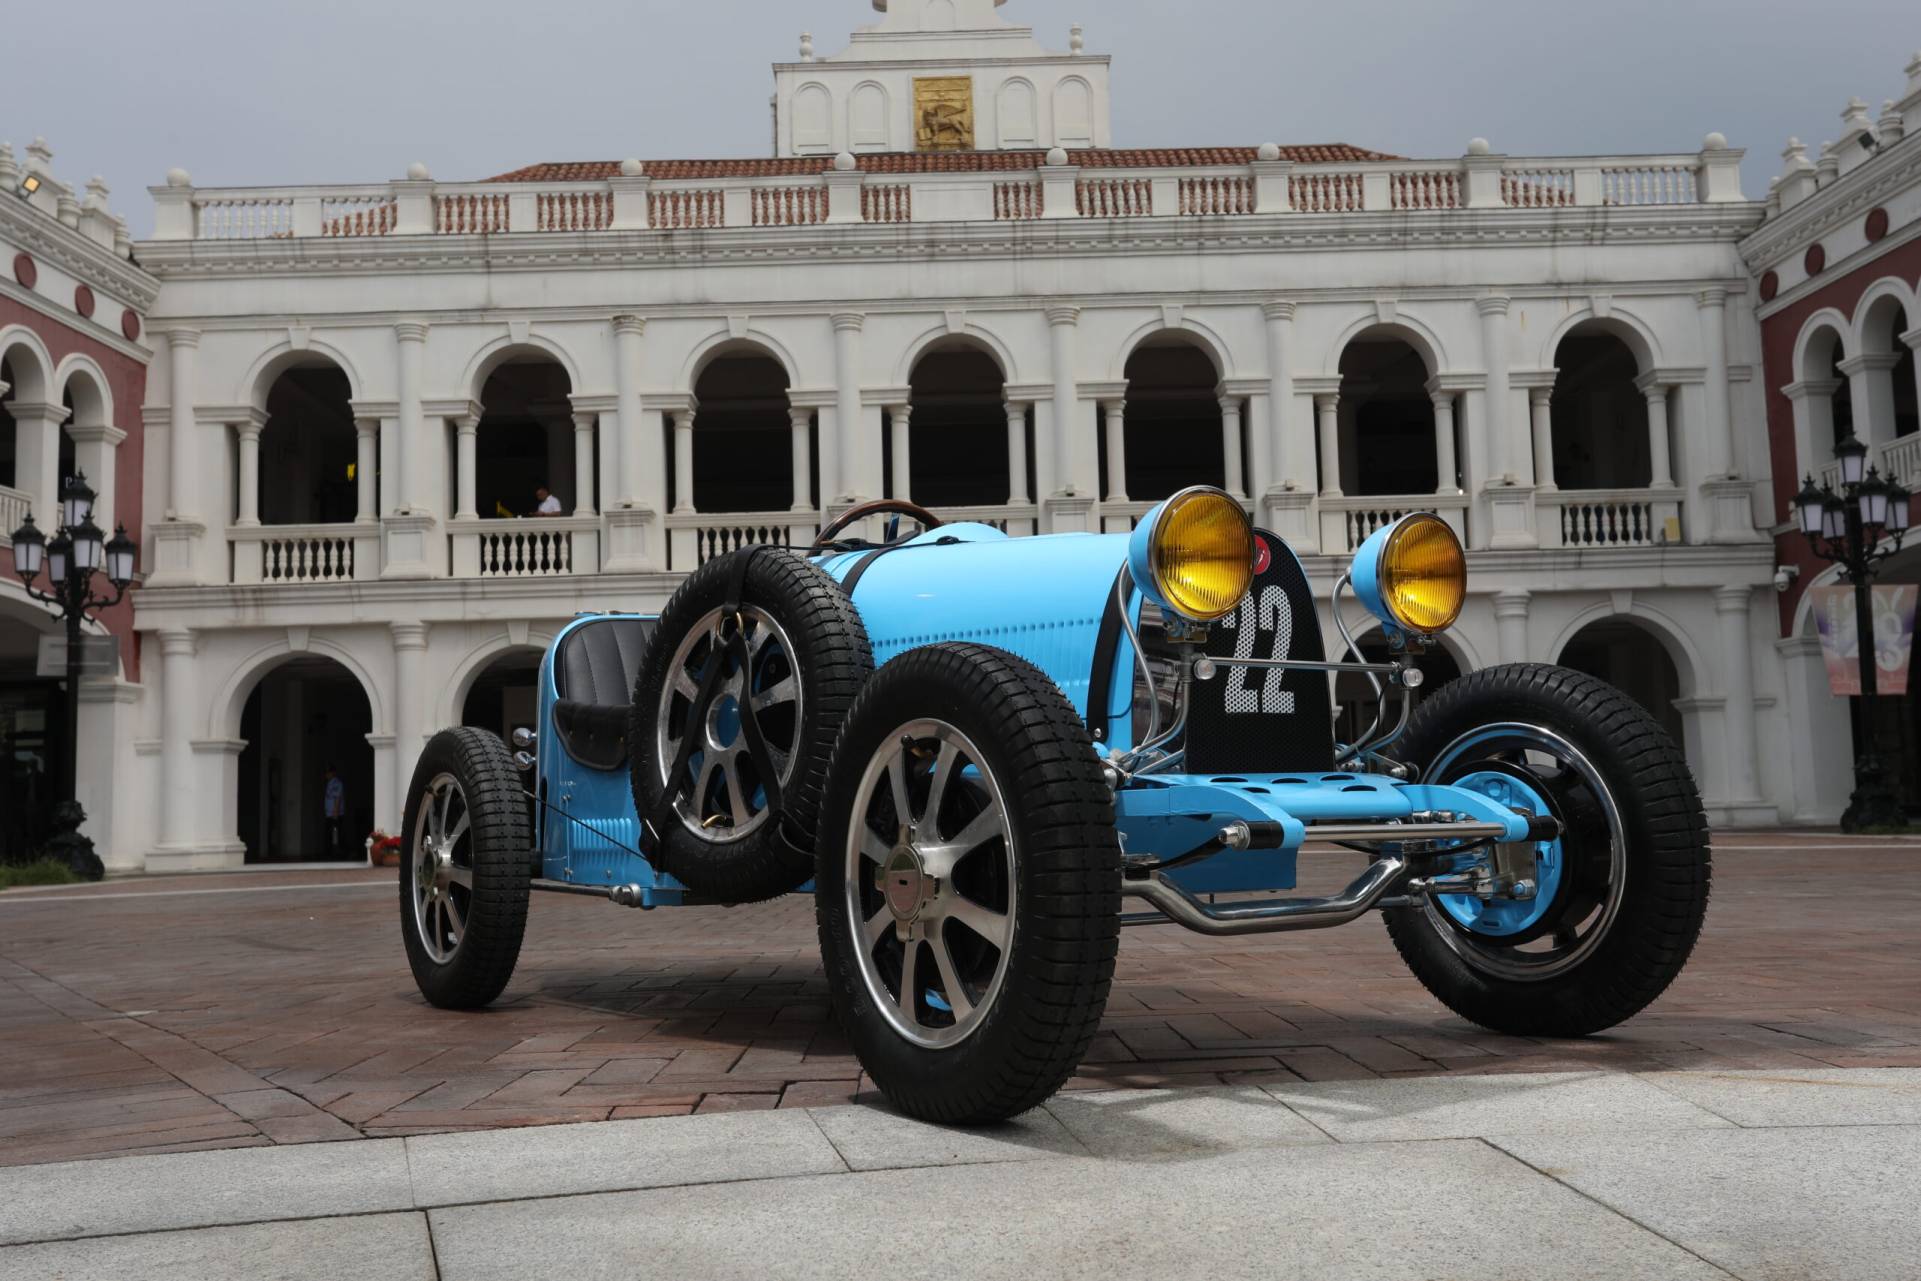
(32, 733)
(308, 449)
(957, 434)
(1172, 431)
(1629, 657)
(1600, 418)
(524, 446)
(27, 383)
(1830, 403)
(1356, 702)
(743, 454)
(9, 433)
(504, 696)
(1890, 373)
(306, 725)
(1387, 418)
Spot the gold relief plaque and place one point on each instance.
(944, 113)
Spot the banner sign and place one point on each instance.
(99, 656)
(1893, 613)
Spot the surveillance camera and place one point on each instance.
(1785, 574)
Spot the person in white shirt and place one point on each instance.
(548, 504)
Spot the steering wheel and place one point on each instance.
(853, 515)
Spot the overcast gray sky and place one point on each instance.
(258, 92)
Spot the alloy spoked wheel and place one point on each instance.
(724, 796)
(466, 869)
(1620, 895)
(443, 868)
(1579, 877)
(931, 879)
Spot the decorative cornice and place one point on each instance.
(455, 407)
(605, 403)
(377, 408)
(112, 338)
(61, 246)
(1890, 171)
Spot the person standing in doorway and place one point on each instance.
(334, 806)
(548, 504)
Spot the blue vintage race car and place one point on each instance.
(976, 750)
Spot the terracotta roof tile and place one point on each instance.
(906, 162)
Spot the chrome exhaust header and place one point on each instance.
(1176, 906)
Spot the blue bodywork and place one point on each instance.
(1041, 598)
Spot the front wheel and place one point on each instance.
(1621, 895)
(968, 884)
(465, 872)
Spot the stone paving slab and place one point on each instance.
(1456, 1107)
(1788, 1204)
(450, 1169)
(1862, 1096)
(229, 1039)
(879, 1138)
(1129, 1123)
(152, 1193)
(379, 1247)
(1253, 1215)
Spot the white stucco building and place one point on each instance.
(1559, 355)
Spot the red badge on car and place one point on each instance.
(1263, 556)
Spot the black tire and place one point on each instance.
(465, 783)
(1034, 1001)
(1636, 838)
(827, 656)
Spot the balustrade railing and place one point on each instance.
(13, 511)
(294, 554)
(1211, 190)
(1019, 521)
(1901, 460)
(1608, 518)
(1348, 520)
(693, 539)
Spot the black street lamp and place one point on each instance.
(1849, 528)
(79, 550)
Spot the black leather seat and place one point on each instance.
(594, 671)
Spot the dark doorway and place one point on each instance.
(525, 441)
(1173, 423)
(308, 450)
(1627, 657)
(302, 717)
(1388, 419)
(503, 697)
(957, 437)
(743, 437)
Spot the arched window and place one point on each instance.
(1629, 657)
(9, 432)
(958, 454)
(504, 696)
(306, 725)
(1172, 430)
(1387, 418)
(307, 449)
(526, 441)
(1015, 114)
(1600, 418)
(813, 119)
(743, 435)
(1889, 372)
(867, 118)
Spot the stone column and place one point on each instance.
(633, 451)
(366, 470)
(585, 422)
(900, 419)
(1062, 324)
(1278, 455)
(1116, 411)
(1713, 311)
(802, 421)
(410, 664)
(178, 701)
(466, 456)
(1501, 466)
(95, 452)
(183, 497)
(1871, 392)
(1017, 451)
(248, 433)
(411, 337)
(1447, 466)
(1510, 623)
(37, 460)
(1327, 408)
(1737, 665)
(684, 459)
(1659, 454)
(1540, 411)
(858, 456)
(1231, 445)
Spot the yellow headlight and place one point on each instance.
(1202, 556)
(1423, 574)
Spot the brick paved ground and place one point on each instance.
(155, 1016)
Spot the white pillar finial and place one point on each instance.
(1076, 39)
(806, 46)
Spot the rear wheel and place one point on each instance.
(968, 884)
(1620, 896)
(464, 878)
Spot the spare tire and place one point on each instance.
(736, 708)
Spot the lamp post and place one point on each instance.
(78, 551)
(1848, 529)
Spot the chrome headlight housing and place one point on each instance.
(1194, 554)
(1412, 574)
